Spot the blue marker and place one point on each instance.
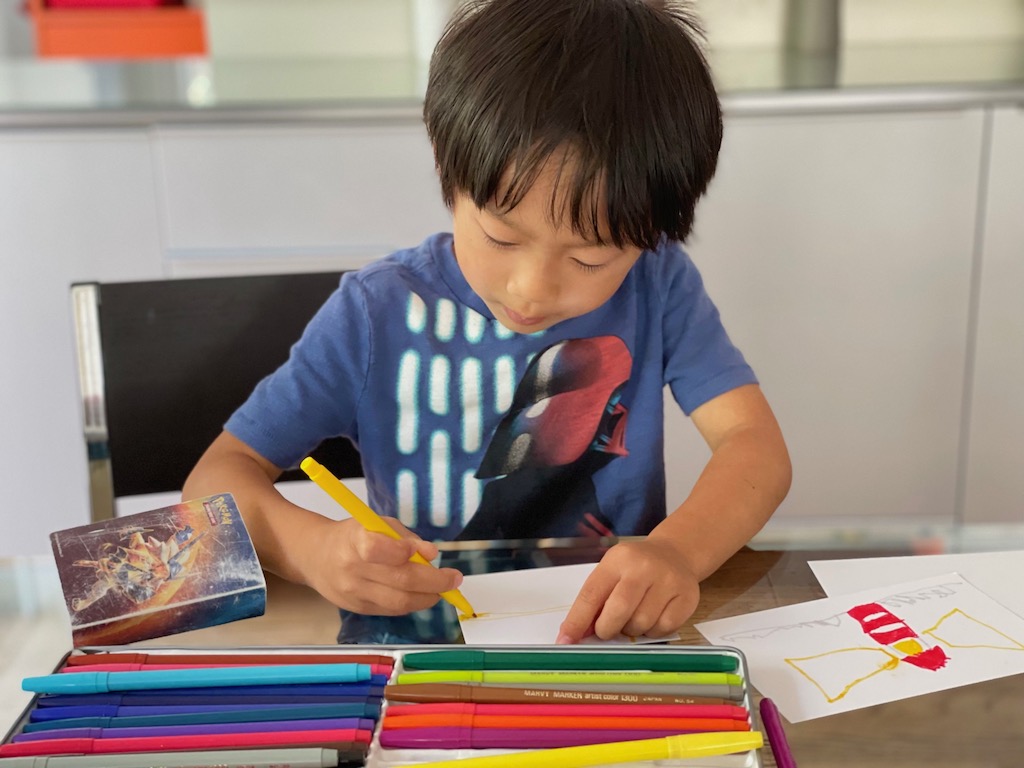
(285, 674)
(44, 714)
(239, 715)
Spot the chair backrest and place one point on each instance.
(163, 363)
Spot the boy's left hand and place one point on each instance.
(639, 588)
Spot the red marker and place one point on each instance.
(226, 659)
(677, 724)
(625, 711)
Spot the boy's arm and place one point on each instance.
(651, 586)
(744, 481)
(355, 569)
(277, 527)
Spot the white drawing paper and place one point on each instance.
(857, 650)
(527, 607)
(997, 574)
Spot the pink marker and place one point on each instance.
(375, 669)
(730, 711)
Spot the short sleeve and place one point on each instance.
(315, 393)
(700, 361)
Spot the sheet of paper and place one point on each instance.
(527, 607)
(997, 574)
(892, 642)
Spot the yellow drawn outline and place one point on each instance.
(934, 633)
(492, 615)
(892, 663)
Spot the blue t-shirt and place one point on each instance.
(469, 430)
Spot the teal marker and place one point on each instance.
(588, 677)
(200, 677)
(653, 661)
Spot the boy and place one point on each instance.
(506, 380)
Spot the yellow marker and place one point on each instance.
(371, 521)
(665, 748)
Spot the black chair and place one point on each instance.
(162, 364)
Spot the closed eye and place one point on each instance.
(497, 243)
(588, 267)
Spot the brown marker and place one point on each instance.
(480, 694)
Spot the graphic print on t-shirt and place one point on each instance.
(565, 423)
(499, 433)
(455, 378)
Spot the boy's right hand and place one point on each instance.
(368, 572)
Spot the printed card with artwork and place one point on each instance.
(159, 572)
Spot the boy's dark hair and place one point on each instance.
(622, 85)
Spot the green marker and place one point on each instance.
(652, 661)
(589, 677)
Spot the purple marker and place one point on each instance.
(271, 694)
(374, 693)
(286, 712)
(66, 713)
(507, 738)
(359, 723)
(772, 721)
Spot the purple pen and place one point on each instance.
(776, 735)
(66, 713)
(507, 738)
(287, 712)
(324, 689)
(359, 723)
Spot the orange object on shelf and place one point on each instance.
(124, 33)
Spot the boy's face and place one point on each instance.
(530, 272)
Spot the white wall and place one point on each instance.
(15, 30)
(386, 27)
(759, 23)
(308, 28)
(396, 28)
(74, 206)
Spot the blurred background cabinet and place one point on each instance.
(994, 478)
(77, 204)
(259, 199)
(839, 250)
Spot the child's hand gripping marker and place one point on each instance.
(371, 521)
